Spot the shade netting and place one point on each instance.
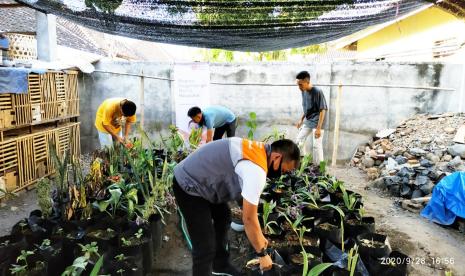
(253, 25)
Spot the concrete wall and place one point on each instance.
(96, 87)
(364, 111)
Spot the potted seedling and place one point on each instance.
(105, 238)
(10, 247)
(51, 253)
(352, 262)
(137, 246)
(278, 188)
(373, 245)
(89, 257)
(121, 265)
(271, 228)
(23, 265)
(331, 232)
(359, 224)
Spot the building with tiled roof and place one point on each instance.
(16, 18)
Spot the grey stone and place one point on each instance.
(378, 183)
(457, 150)
(417, 193)
(368, 162)
(405, 191)
(398, 150)
(395, 190)
(426, 163)
(439, 153)
(456, 164)
(392, 180)
(406, 172)
(449, 130)
(378, 162)
(425, 140)
(421, 180)
(427, 188)
(401, 160)
(447, 158)
(361, 148)
(408, 155)
(432, 157)
(417, 152)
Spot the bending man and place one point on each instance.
(218, 118)
(109, 119)
(220, 172)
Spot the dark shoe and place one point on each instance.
(227, 270)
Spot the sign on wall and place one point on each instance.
(191, 87)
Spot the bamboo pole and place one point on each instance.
(336, 125)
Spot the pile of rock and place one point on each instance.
(411, 160)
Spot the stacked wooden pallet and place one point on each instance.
(52, 96)
(30, 123)
(26, 158)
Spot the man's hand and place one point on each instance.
(266, 263)
(299, 124)
(120, 140)
(317, 133)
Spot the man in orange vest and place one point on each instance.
(223, 171)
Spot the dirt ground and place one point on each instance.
(425, 242)
(420, 239)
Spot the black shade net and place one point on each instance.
(253, 25)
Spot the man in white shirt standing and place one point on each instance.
(311, 123)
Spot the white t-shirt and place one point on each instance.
(253, 180)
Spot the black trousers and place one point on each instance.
(208, 226)
(230, 130)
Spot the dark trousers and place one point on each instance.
(208, 226)
(230, 130)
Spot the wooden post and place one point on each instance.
(336, 125)
(141, 99)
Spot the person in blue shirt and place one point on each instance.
(217, 118)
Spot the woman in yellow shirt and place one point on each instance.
(111, 114)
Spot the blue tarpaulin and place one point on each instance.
(15, 80)
(448, 200)
(4, 43)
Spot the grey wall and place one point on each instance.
(96, 87)
(363, 110)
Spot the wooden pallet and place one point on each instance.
(26, 158)
(51, 96)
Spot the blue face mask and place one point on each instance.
(272, 173)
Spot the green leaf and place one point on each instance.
(115, 195)
(97, 267)
(318, 269)
(102, 205)
(80, 262)
(132, 195)
(253, 115)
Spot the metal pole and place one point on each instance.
(336, 125)
(141, 99)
